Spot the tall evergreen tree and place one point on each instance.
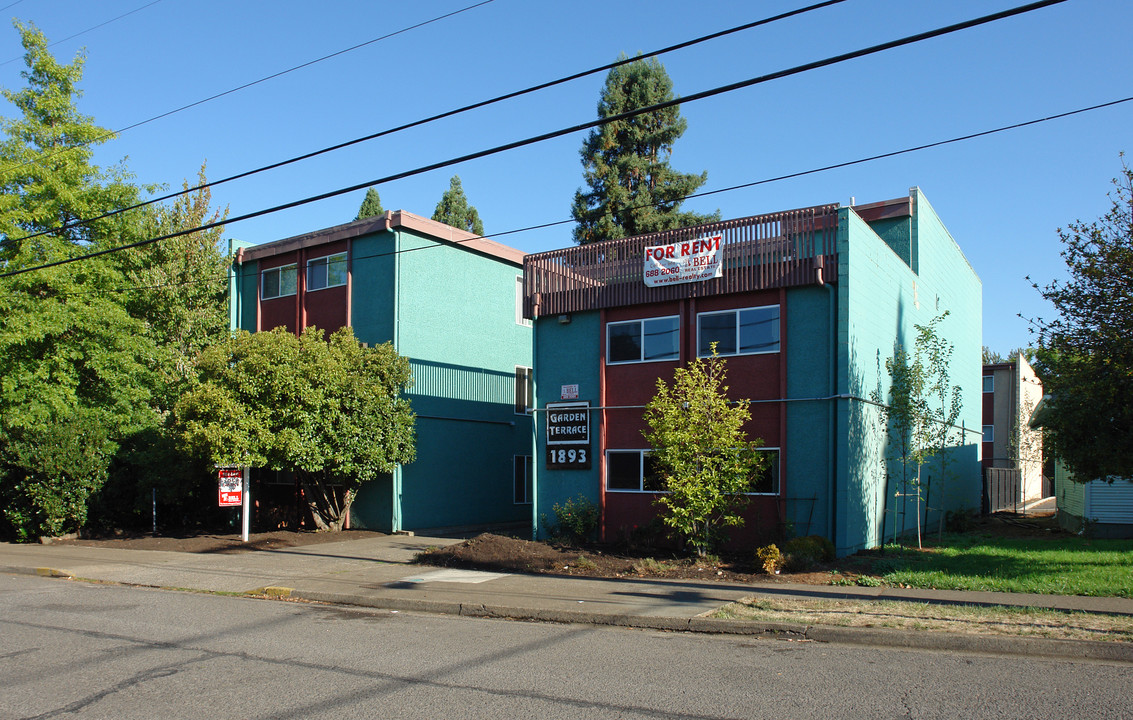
(632, 188)
(453, 209)
(371, 205)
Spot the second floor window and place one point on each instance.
(324, 272)
(644, 340)
(748, 331)
(278, 282)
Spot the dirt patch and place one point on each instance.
(221, 543)
(509, 554)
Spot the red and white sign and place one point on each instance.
(684, 262)
(231, 484)
(569, 392)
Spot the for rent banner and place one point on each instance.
(684, 262)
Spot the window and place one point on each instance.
(632, 471)
(278, 282)
(324, 272)
(522, 474)
(644, 340)
(519, 319)
(989, 433)
(766, 482)
(524, 390)
(748, 331)
(989, 383)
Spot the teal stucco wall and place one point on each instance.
(808, 454)
(455, 320)
(566, 354)
(881, 300)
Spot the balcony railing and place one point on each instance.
(780, 249)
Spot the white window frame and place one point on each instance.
(278, 271)
(778, 473)
(641, 340)
(641, 454)
(989, 383)
(526, 397)
(736, 312)
(519, 319)
(988, 433)
(326, 260)
(524, 462)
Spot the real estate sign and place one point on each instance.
(684, 262)
(231, 486)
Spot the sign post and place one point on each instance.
(233, 491)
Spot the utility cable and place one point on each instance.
(812, 171)
(447, 114)
(113, 133)
(919, 37)
(81, 32)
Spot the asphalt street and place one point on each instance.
(108, 651)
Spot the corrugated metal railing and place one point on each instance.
(780, 249)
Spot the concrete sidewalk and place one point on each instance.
(379, 573)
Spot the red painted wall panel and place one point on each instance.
(630, 386)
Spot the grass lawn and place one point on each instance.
(1065, 565)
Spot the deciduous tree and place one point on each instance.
(1085, 356)
(632, 189)
(920, 412)
(331, 410)
(701, 452)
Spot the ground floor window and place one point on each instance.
(524, 390)
(522, 480)
(632, 471)
(766, 482)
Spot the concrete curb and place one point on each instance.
(872, 637)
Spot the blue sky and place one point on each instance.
(1002, 197)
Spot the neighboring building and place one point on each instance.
(1011, 392)
(809, 305)
(449, 301)
(1098, 508)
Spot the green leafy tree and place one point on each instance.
(46, 175)
(632, 189)
(1085, 356)
(75, 366)
(701, 452)
(331, 410)
(92, 354)
(371, 205)
(921, 412)
(454, 210)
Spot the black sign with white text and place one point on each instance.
(568, 436)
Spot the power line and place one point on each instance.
(81, 32)
(765, 181)
(919, 37)
(447, 114)
(112, 133)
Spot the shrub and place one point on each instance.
(576, 519)
(771, 558)
(803, 553)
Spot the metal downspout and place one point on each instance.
(395, 483)
(832, 410)
(535, 457)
